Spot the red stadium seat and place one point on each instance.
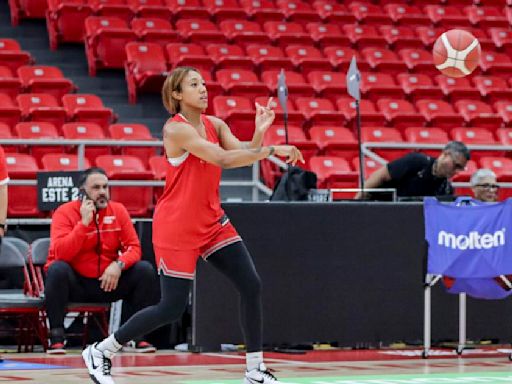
(62, 162)
(154, 30)
(262, 10)
(328, 84)
(400, 113)
(376, 85)
(228, 56)
(9, 112)
(268, 57)
(383, 60)
(297, 85)
(128, 131)
(465, 175)
(65, 21)
(439, 113)
(341, 57)
(6, 133)
(457, 88)
(327, 34)
(446, 16)
(86, 131)
(45, 79)
(137, 200)
(369, 114)
(498, 64)
(333, 172)
(39, 130)
(104, 42)
(502, 38)
(478, 114)
(158, 165)
(364, 36)
(12, 56)
(418, 86)
(22, 199)
(241, 83)
(188, 9)
(298, 11)
(238, 113)
(88, 108)
(319, 112)
(41, 107)
(407, 14)
(369, 166)
(307, 59)
(284, 34)
(493, 88)
(369, 13)
(199, 31)
(400, 37)
(428, 35)
(485, 17)
(190, 55)
(502, 167)
(418, 61)
(9, 85)
(150, 9)
(27, 9)
(224, 9)
(504, 109)
(504, 136)
(331, 12)
(423, 135)
(476, 136)
(334, 141)
(145, 68)
(112, 8)
(383, 135)
(244, 32)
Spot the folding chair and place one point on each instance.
(21, 305)
(468, 251)
(94, 311)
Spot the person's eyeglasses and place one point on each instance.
(488, 186)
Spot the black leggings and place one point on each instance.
(235, 262)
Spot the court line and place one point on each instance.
(291, 362)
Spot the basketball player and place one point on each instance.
(189, 222)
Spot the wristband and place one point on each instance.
(271, 151)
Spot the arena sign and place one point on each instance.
(56, 188)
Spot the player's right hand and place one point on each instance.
(87, 210)
(291, 153)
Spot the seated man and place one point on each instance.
(94, 256)
(484, 185)
(417, 174)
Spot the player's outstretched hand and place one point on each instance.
(264, 116)
(291, 153)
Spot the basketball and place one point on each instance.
(456, 53)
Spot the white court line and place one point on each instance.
(291, 362)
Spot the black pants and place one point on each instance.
(64, 285)
(235, 262)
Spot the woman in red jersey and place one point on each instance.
(189, 222)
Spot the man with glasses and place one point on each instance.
(484, 186)
(418, 175)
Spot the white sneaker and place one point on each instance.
(260, 375)
(98, 363)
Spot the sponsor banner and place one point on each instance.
(56, 188)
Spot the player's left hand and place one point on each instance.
(264, 116)
(110, 277)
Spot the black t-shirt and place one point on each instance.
(411, 175)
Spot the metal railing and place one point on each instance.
(254, 183)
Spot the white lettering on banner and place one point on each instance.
(473, 240)
(53, 195)
(58, 181)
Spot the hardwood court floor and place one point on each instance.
(318, 367)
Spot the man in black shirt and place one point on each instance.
(417, 174)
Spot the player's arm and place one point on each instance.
(187, 138)
(375, 180)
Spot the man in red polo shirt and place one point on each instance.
(94, 256)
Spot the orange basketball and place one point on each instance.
(456, 53)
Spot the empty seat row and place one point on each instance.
(12, 56)
(45, 107)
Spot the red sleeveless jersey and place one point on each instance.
(188, 213)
